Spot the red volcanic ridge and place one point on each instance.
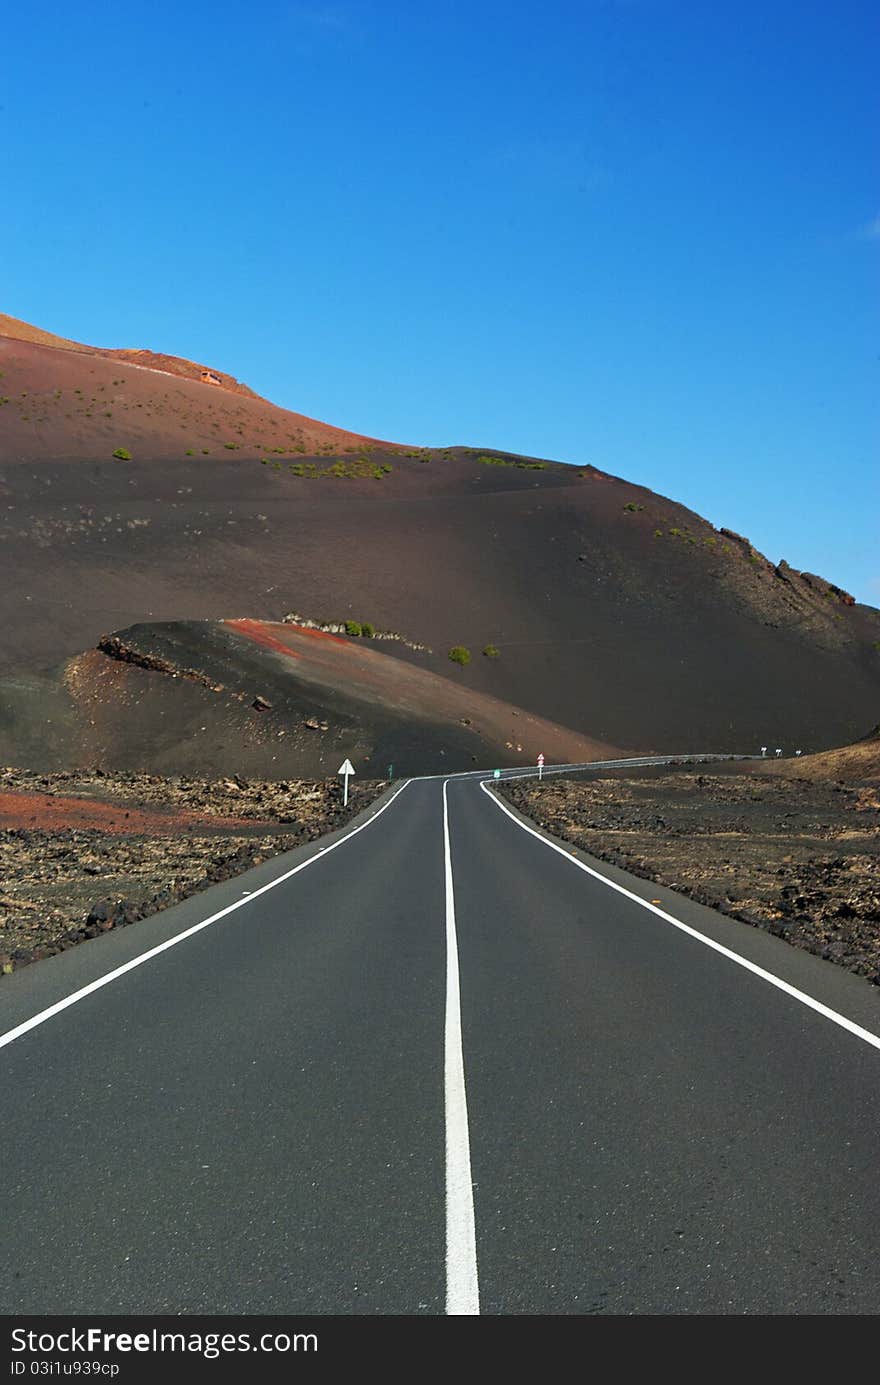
(61, 399)
(260, 631)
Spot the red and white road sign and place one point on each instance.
(540, 759)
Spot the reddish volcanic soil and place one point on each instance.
(279, 637)
(51, 812)
(83, 853)
(261, 633)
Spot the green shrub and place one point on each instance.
(122, 454)
(460, 655)
(491, 651)
(633, 508)
(368, 630)
(353, 627)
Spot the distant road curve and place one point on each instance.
(629, 762)
(440, 1063)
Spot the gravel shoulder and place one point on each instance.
(796, 857)
(84, 852)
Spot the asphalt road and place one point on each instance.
(358, 1090)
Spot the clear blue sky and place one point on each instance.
(638, 233)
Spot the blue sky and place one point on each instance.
(638, 233)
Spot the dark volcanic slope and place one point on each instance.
(637, 626)
(249, 697)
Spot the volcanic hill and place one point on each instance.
(846, 764)
(135, 586)
(61, 400)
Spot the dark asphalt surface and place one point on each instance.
(253, 1120)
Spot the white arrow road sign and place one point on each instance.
(345, 768)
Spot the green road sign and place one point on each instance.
(496, 774)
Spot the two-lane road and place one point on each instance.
(438, 1058)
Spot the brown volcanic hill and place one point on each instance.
(16, 330)
(24, 331)
(616, 612)
(852, 764)
(63, 400)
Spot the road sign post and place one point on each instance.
(540, 766)
(345, 768)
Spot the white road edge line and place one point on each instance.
(864, 1034)
(101, 981)
(462, 1284)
